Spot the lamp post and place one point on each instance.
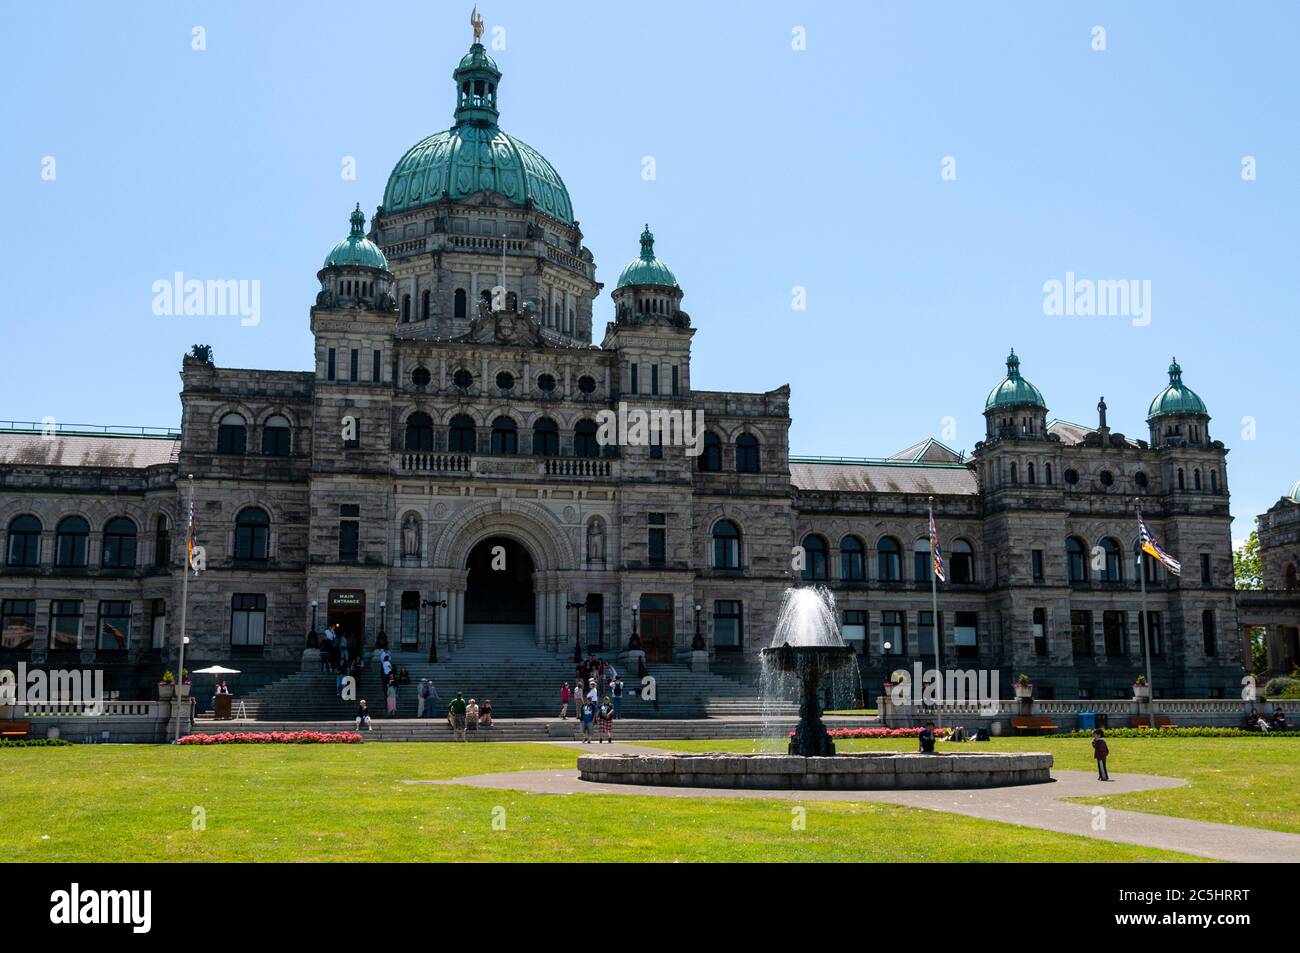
(185, 601)
(382, 640)
(577, 634)
(433, 643)
(311, 636)
(697, 643)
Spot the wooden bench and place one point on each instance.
(1144, 721)
(15, 729)
(1032, 723)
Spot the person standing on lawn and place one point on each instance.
(1100, 751)
(566, 696)
(605, 716)
(588, 716)
(457, 711)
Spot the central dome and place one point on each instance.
(476, 154)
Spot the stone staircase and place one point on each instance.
(503, 663)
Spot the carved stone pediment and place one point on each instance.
(504, 327)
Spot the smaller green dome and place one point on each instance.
(1176, 398)
(477, 58)
(647, 269)
(1014, 391)
(1294, 495)
(357, 250)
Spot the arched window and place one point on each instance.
(1290, 581)
(406, 308)
(1112, 567)
(1214, 481)
(711, 458)
(426, 305)
(814, 554)
(1077, 558)
(70, 538)
(584, 439)
(461, 436)
(505, 436)
(276, 436)
(889, 560)
(1047, 473)
(1013, 474)
(1182, 483)
(961, 561)
(24, 541)
(252, 533)
(726, 545)
(1149, 564)
(1196, 479)
(162, 542)
(119, 543)
(746, 453)
(232, 434)
(459, 305)
(1029, 473)
(419, 432)
(921, 563)
(853, 559)
(546, 438)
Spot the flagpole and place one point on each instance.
(1145, 620)
(185, 595)
(934, 616)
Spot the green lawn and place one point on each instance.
(1247, 781)
(345, 803)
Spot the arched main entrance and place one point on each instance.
(500, 584)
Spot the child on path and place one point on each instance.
(1101, 752)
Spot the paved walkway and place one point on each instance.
(1032, 805)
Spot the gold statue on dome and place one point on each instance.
(476, 21)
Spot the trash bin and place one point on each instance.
(1087, 720)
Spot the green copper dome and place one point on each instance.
(1014, 391)
(356, 249)
(646, 269)
(475, 154)
(1176, 398)
(1294, 495)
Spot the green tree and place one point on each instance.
(1246, 566)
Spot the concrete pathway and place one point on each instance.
(1032, 805)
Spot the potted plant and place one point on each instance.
(183, 689)
(1023, 686)
(1141, 690)
(167, 687)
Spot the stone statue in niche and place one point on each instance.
(411, 535)
(596, 541)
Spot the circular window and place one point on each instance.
(462, 378)
(1071, 477)
(505, 380)
(546, 383)
(1106, 477)
(1141, 480)
(587, 384)
(420, 377)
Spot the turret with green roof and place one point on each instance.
(1015, 408)
(1177, 415)
(648, 290)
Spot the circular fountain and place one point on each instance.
(807, 645)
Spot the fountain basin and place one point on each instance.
(858, 771)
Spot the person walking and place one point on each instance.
(457, 711)
(566, 696)
(1100, 751)
(391, 694)
(616, 692)
(605, 716)
(588, 716)
(421, 697)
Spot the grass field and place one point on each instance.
(1247, 781)
(347, 803)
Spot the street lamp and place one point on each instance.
(433, 643)
(382, 640)
(697, 643)
(577, 635)
(634, 642)
(311, 636)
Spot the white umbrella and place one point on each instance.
(216, 670)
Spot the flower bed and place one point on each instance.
(274, 738)
(1181, 733)
(33, 742)
(879, 732)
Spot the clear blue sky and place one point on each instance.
(775, 168)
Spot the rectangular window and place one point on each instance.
(349, 540)
(675, 385)
(329, 366)
(634, 370)
(657, 447)
(410, 619)
(658, 546)
(1036, 560)
(65, 625)
(965, 634)
(728, 625)
(921, 562)
(1113, 624)
(114, 626)
(1156, 646)
(594, 614)
(352, 365)
(349, 509)
(854, 630)
(892, 636)
(1206, 579)
(654, 378)
(1208, 639)
(17, 624)
(158, 624)
(1040, 631)
(1081, 631)
(374, 365)
(248, 619)
(925, 633)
